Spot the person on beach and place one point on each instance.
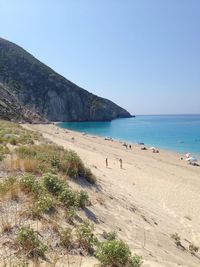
(106, 162)
(130, 146)
(120, 161)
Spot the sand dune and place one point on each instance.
(150, 198)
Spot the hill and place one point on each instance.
(31, 91)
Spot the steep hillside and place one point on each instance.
(44, 94)
(12, 109)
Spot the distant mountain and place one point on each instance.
(31, 91)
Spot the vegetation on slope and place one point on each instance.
(40, 213)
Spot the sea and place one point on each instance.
(180, 133)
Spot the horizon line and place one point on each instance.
(169, 114)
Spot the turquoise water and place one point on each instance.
(179, 133)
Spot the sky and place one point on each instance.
(144, 55)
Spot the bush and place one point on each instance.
(43, 204)
(53, 158)
(61, 190)
(73, 165)
(117, 253)
(31, 185)
(1, 156)
(3, 151)
(28, 183)
(53, 184)
(9, 185)
(30, 243)
(69, 198)
(85, 236)
(66, 238)
(26, 152)
(13, 141)
(42, 200)
(55, 161)
(83, 199)
(110, 235)
(70, 214)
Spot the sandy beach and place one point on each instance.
(149, 199)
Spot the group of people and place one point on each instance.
(120, 162)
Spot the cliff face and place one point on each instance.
(12, 109)
(31, 91)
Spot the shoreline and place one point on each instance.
(153, 196)
(148, 146)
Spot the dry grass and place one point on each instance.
(55, 227)
(14, 192)
(30, 165)
(6, 225)
(19, 154)
(15, 163)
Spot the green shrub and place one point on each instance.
(30, 243)
(116, 253)
(55, 161)
(30, 184)
(26, 152)
(66, 238)
(1, 156)
(43, 204)
(85, 236)
(110, 235)
(13, 141)
(3, 188)
(53, 158)
(83, 199)
(70, 214)
(61, 190)
(27, 138)
(69, 198)
(3, 152)
(9, 184)
(73, 165)
(135, 261)
(53, 184)
(11, 180)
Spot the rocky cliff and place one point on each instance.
(31, 91)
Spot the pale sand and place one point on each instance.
(152, 197)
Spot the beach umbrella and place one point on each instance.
(188, 155)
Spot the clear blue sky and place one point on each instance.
(143, 55)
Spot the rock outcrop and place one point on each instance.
(31, 91)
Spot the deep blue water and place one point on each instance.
(179, 133)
